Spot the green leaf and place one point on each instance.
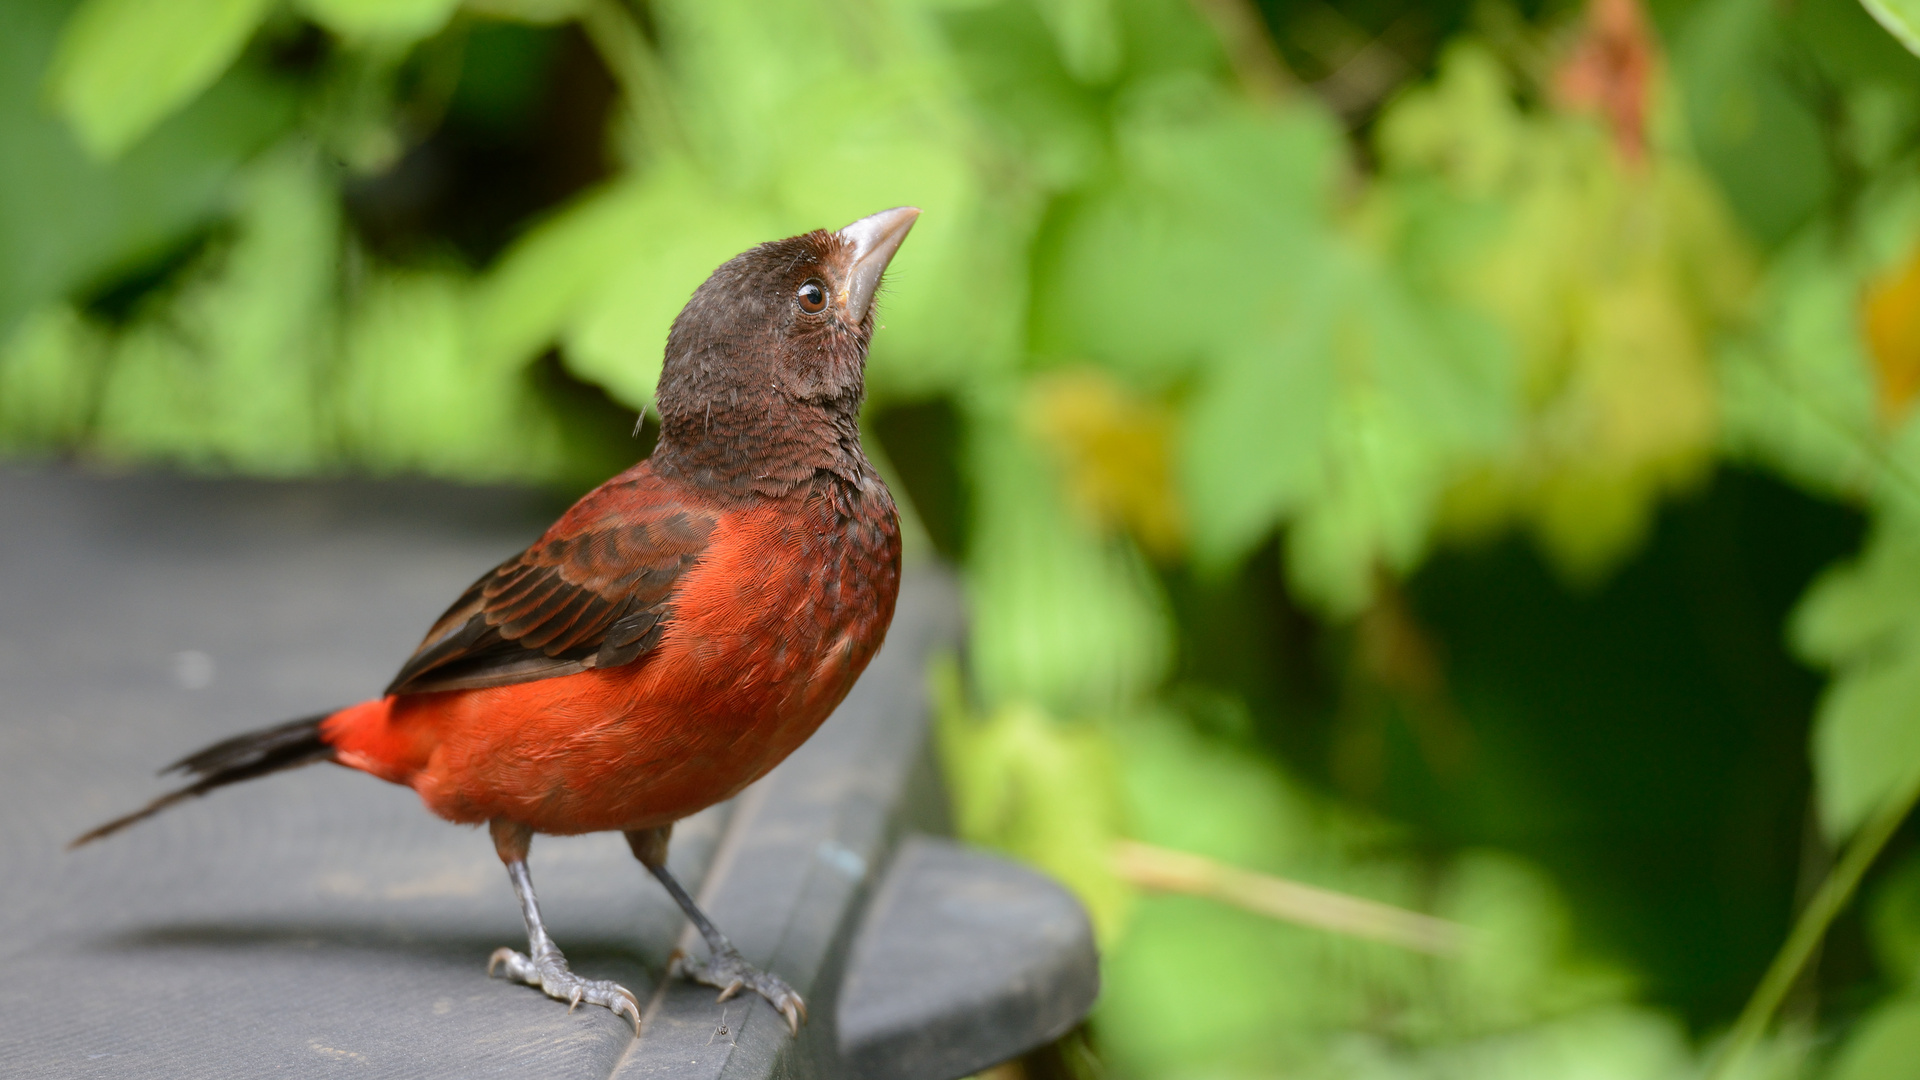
(1216, 212)
(1754, 128)
(605, 277)
(125, 65)
(226, 372)
(1524, 966)
(617, 336)
(1349, 421)
(1211, 797)
(1612, 280)
(1040, 788)
(1049, 122)
(412, 395)
(49, 371)
(390, 21)
(1062, 614)
(1800, 396)
(1332, 394)
(1200, 988)
(1609, 1042)
(888, 125)
(1863, 620)
(1801, 393)
(1196, 985)
(69, 221)
(1886, 1045)
(537, 12)
(1901, 19)
(1087, 34)
(1893, 924)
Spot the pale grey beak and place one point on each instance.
(873, 240)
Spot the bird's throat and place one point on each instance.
(750, 450)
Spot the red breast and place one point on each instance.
(772, 627)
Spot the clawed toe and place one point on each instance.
(628, 1006)
(731, 974)
(551, 975)
(515, 962)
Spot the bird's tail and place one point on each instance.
(243, 757)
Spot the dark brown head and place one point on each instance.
(765, 366)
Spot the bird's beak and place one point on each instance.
(872, 241)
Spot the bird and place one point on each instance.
(679, 630)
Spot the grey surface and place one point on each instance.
(308, 923)
(963, 961)
(320, 921)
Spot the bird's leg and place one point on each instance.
(724, 968)
(542, 965)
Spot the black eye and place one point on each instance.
(812, 296)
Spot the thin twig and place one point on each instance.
(1164, 870)
(1811, 927)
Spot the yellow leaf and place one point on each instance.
(1115, 449)
(1890, 311)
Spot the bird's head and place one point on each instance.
(765, 366)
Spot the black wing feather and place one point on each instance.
(592, 593)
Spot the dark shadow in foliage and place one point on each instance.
(1356, 54)
(601, 435)
(116, 299)
(524, 131)
(1243, 635)
(1072, 1056)
(922, 440)
(1647, 741)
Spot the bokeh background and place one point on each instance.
(1456, 454)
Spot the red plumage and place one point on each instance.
(770, 624)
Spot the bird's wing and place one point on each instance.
(591, 593)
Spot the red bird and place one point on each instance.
(678, 632)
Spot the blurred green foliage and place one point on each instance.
(1430, 450)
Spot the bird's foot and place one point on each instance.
(732, 974)
(548, 971)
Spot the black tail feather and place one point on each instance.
(243, 757)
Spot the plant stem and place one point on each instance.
(1811, 927)
(1164, 870)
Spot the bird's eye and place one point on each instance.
(812, 296)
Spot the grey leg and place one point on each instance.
(542, 965)
(725, 968)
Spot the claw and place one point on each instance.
(732, 974)
(550, 974)
(632, 1005)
